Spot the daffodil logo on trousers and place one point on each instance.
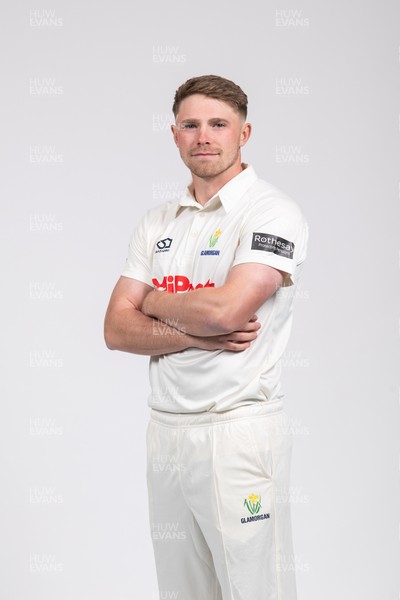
(253, 505)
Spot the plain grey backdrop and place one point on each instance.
(87, 89)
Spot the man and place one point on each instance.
(207, 292)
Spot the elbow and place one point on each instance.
(110, 338)
(110, 345)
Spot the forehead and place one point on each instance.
(198, 106)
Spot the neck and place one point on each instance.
(204, 188)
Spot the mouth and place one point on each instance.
(202, 154)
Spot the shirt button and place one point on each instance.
(202, 215)
(195, 233)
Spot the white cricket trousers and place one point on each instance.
(220, 520)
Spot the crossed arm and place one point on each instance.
(207, 318)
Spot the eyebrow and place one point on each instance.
(213, 120)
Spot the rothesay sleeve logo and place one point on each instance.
(272, 243)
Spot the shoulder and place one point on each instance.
(159, 215)
(263, 197)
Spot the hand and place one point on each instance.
(237, 341)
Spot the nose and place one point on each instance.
(202, 137)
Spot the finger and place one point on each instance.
(236, 347)
(251, 326)
(241, 336)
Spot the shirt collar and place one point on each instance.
(228, 195)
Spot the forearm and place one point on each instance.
(199, 312)
(129, 330)
(211, 311)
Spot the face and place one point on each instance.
(209, 134)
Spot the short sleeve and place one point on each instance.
(275, 233)
(138, 262)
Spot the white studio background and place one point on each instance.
(87, 89)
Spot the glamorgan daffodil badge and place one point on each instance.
(214, 238)
(253, 504)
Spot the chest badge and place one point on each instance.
(214, 238)
(164, 245)
(211, 243)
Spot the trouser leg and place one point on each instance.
(184, 564)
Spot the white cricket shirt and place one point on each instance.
(183, 245)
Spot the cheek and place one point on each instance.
(183, 142)
(233, 143)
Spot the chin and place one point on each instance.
(207, 172)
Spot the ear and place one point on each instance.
(174, 130)
(245, 134)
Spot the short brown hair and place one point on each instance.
(214, 87)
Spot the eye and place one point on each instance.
(219, 125)
(187, 126)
